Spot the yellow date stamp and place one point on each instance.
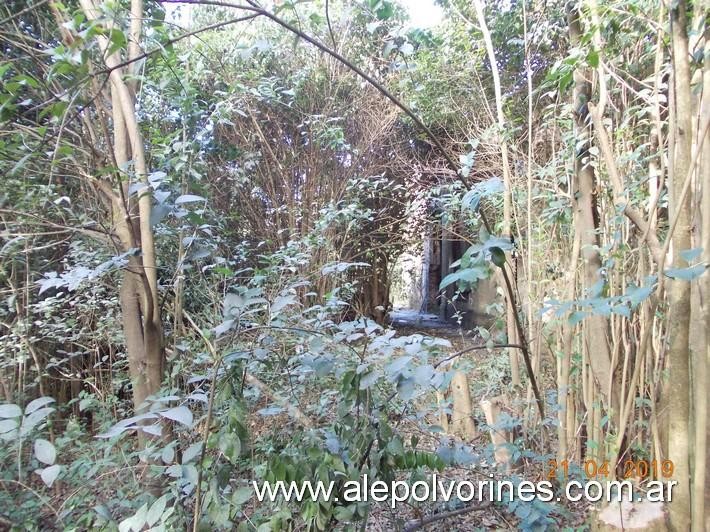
(641, 469)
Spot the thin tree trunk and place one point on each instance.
(564, 364)
(679, 294)
(529, 180)
(595, 326)
(140, 306)
(702, 356)
(510, 309)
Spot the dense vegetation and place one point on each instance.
(204, 211)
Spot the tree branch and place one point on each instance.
(476, 348)
(179, 38)
(416, 524)
(631, 212)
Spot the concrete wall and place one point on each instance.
(418, 275)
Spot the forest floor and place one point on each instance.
(486, 380)
(408, 322)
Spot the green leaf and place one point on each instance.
(638, 294)
(103, 512)
(117, 40)
(368, 379)
(85, 403)
(396, 367)
(241, 495)
(372, 26)
(10, 410)
(523, 510)
(19, 164)
(188, 198)
(498, 256)
(686, 274)
(134, 523)
(406, 49)
(154, 430)
(56, 110)
(423, 374)
(45, 451)
(689, 255)
(282, 301)
(181, 414)
(344, 513)
(49, 474)
(450, 279)
(156, 510)
(230, 446)
(593, 58)
(465, 275)
(4, 67)
(223, 327)
(37, 403)
(406, 388)
(472, 199)
(191, 452)
(395, 446)
(29, 422)
(167, 455)
(622, 310)
(385, 11)
(576, 317)
(566, 81)
(8, 429)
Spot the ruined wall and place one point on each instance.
(417, 274)
(424, 271)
